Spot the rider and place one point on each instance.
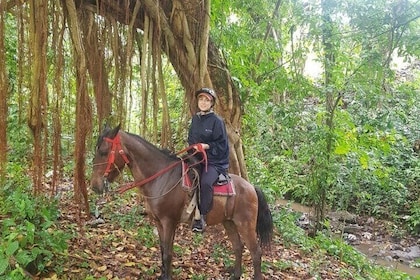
(208, 129)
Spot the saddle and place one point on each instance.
(222, 187)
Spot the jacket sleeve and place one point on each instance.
(191, 132)
(219, 143)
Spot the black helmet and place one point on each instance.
(208, 91)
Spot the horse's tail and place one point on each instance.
(264, 219)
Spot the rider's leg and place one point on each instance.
(206, 195)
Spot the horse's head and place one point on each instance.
(109, 160)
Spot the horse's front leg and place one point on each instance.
(166, 236)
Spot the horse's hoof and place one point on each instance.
(231, 271)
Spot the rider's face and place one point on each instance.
(204, 103)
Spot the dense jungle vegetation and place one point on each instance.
(329, 108)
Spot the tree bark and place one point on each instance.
(83, 107)
(38, 99)
(3, 99)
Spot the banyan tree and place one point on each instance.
(106, 40)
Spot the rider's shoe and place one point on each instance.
(199, 225)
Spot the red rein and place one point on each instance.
(116, 145)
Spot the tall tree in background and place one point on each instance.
(3, 96)
(328, 41)
(38, 99)
(57, 43)
(182, 30)
(83, 106)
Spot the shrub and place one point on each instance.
(29, 235)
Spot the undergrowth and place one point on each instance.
(29, 238)
(358, 266)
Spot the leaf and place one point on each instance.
(12, 235)
(129, 264)
(52, 277)
(342, 149)
(11, 248)
(23, 257)
(4, 264)
(101, 268)
(364, 160)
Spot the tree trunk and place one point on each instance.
(184, 31)
(3, 99)
(57, 97)
(38, 99)
(83, 107)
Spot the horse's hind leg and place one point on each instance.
(234, 237)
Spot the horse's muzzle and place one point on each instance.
(101, 186)
(105, 185)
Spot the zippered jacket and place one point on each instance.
(210, 129)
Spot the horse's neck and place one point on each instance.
(146, 161)
(164, 177)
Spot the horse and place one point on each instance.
(245, 216)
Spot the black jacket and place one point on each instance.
(210, 129)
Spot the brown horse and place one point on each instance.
(245, 216)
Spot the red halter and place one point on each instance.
(116, 146)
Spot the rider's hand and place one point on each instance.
(203, 146)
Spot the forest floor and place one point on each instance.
(124, 245)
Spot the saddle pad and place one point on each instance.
(227, 189)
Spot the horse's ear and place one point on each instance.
(115, 131)
(106, 127)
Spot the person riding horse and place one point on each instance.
(208, 130)
(158, 176)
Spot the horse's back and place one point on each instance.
(242, 185)
(246, 196)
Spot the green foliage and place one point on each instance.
(371, 168)
(364, 161)
(285, 222)
(322, 245)
(414, 219)
(29, 236)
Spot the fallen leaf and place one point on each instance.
(101, 268)
(130, 264)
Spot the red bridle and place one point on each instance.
(116, 146)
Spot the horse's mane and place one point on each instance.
(138, 138)
(144, 142)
